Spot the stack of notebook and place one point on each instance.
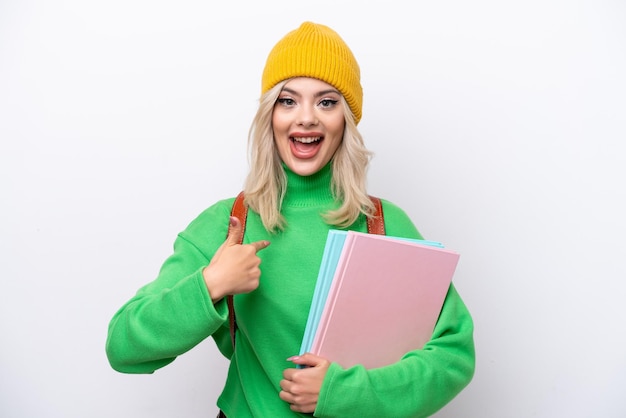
(376, 298)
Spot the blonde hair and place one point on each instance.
(266, 183)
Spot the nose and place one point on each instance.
(307, 117)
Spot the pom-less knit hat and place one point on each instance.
(316, 51)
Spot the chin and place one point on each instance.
(304, 169)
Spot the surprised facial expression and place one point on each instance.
(308, 123)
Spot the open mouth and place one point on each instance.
(306, 140)
(305, 147)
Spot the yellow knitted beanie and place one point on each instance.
(316, 51)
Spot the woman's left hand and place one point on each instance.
(301, 387)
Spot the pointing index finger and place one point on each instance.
(259, 245)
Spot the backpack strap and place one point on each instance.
(376, 222)
(375, 225)
(240, 211)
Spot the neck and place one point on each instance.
(308, 190)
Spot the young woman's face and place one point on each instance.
(308, 123)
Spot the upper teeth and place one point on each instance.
(307, 140)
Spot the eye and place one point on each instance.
(328, 103)
(286, 101)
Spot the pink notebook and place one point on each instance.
(384, 300)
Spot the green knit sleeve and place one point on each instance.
(420, 384)
(172, 314)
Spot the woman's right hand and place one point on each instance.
(234, 268)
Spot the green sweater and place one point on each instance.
(172, 314)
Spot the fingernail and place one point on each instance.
(293, 358)
(233, 221)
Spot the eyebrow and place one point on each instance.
(318, 94)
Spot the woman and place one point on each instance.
(308, 172)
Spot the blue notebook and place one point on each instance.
(328, 265)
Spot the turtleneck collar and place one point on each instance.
(310, 190)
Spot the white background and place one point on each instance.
(498, 126)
